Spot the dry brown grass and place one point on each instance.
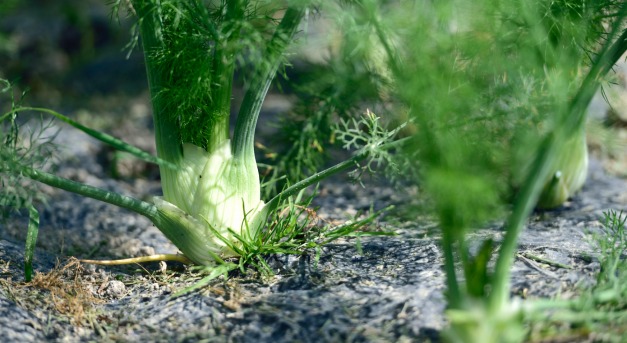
(64, 290)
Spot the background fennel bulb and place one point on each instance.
(571, 169)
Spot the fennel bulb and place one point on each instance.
(216, 187)
(211, 193)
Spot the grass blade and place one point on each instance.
(222, 269)
(31, 240)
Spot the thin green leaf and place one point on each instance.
(222, 269)
(31, 240)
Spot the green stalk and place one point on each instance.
(180, 228)
(244, 135)
(167, 137)
(453, 294)
(218, 130)
(223, 72)
(523, 205)
(383, 38)
(146, 209)
(101, 136)
(606, 60)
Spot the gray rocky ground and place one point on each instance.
(389, 290)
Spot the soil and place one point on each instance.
(375, 289)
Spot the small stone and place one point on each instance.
(114, 289)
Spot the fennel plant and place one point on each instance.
(211, 206)
(498, 91)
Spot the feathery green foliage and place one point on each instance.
(21, 145)
(346, 74)
(498, 92)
